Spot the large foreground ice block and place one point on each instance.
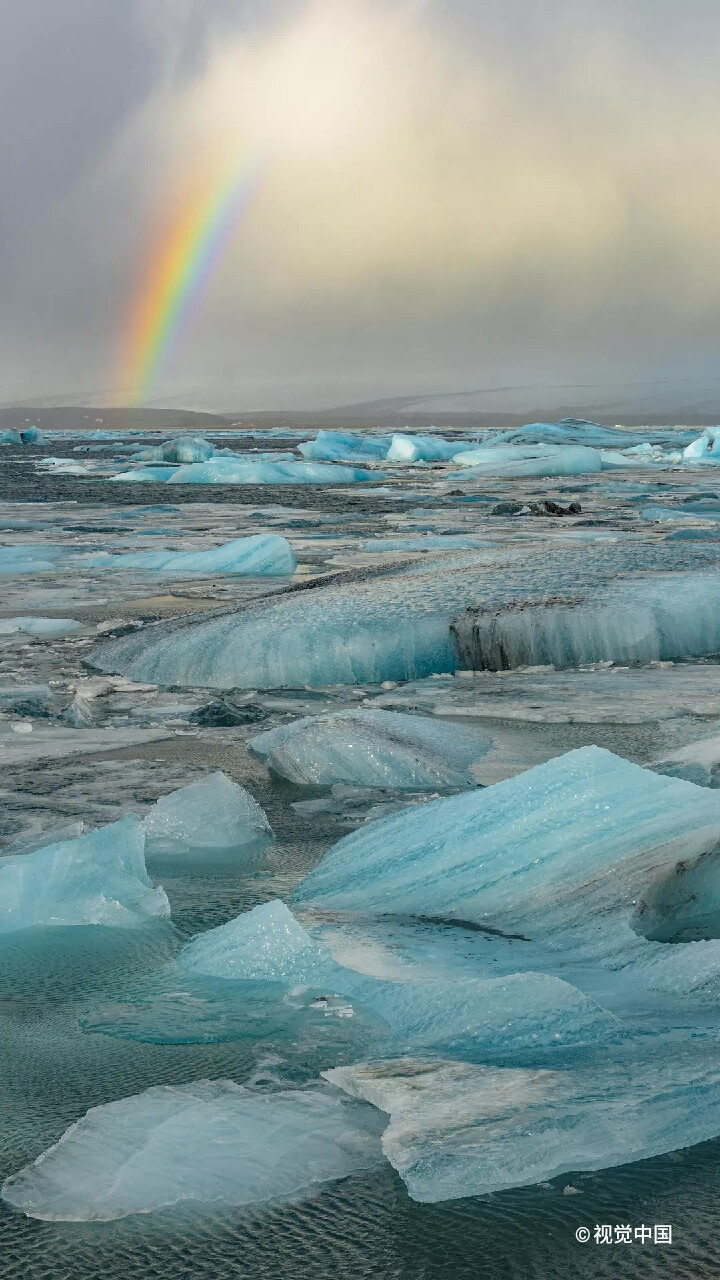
(99, 878)
(262, 554)
(372, 749)
(212, 1141)
(344, 446)
(211, 815)
(664, 617)
(238, 470)
(394, 623)
(458, 1129)
(587, 854)
(529, 460)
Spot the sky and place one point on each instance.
(435, 196)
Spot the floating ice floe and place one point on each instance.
(211, 1142)
(28, 435)
(344, 446)
(98, 879)
(588, 854)
(705, 449)
(33, 557)
(527, 460)
(242, 470)
(396, 624)
(458, 1129)
(265, 554)
(210, 816)
(157, 475)
(184, 449)
(423, 449)
(372, 749)
(39, 626)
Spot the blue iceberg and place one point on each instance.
(527, 460)
(243, 470)
(423, 449)
(262, 554)
(97, 879)
(372, 749)
(210, 816)
(344, 446)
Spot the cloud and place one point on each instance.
(542, 180)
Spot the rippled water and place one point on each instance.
(51, 1071)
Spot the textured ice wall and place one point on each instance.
(663, 617)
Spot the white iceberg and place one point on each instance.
(372, 749)
(422, 449)
(458, 1129)
(210, 1142)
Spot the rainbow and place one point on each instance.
(186, 254)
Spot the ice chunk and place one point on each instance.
(588, 854)
(528, 460)
(422, 449)
(212, 1141)
(632, 620)
(458, 1129)
(341, 446)
(519, 1012)
(372, 749)
(183, 449)
(394, 624)
(262, 554)
(34, 557)
(157, 474)
(207, 816)
(267, 943)
(99, 879)
(705, 449)
(39, 626)
(244, 471)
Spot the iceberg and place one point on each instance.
(422, 1006)
(208, 816)
(705, 449)
(527, 460)
(459, 1129)
(344, 446)
(262, 554)
(156, 474)
(588, 855)
(372, 749)
(394, 622)
(97, 879)
(212, 1141)
(238, 470)
(640, 620)
(422, 449)
(184, 449)
(39, 626)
